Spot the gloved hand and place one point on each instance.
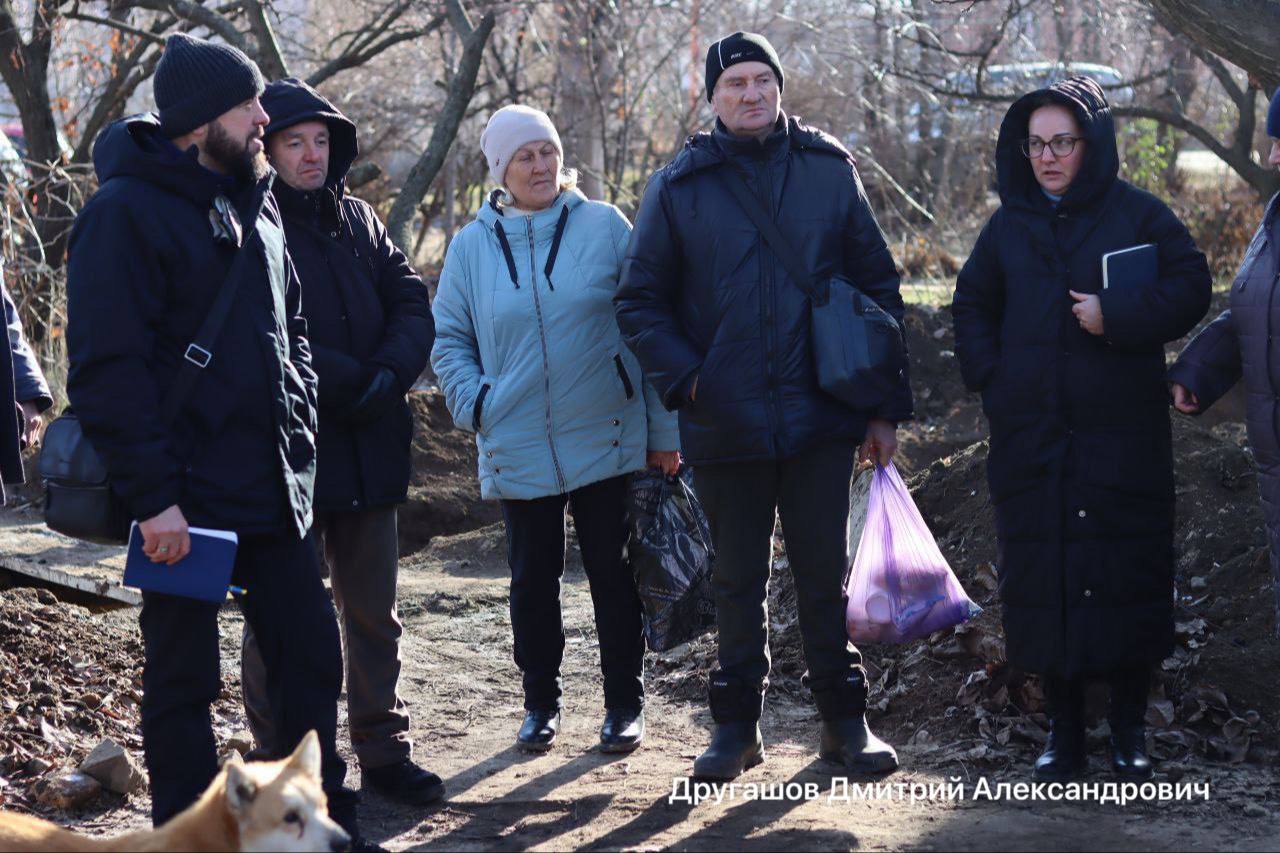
(378, 398)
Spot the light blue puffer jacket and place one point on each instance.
(562, 402)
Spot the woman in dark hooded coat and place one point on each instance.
(1072, 382)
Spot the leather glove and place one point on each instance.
(378, 398)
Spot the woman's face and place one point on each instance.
(533, 176)
(1053, 172)
(1274, 158)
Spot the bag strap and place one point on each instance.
(781, 246)
(199, 352)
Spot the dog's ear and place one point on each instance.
(241, 790)
(307, 756)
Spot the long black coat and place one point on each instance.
(1240, 343)
(365, 307)
(703, 295)
(10, 420)
(1081, 463)
(142, 272)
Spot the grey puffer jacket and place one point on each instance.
(1239, 344)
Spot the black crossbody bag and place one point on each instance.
(78, 498)
(859, 352)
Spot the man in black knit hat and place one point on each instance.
(181, 193)
(722, 327)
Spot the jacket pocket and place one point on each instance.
(479, 406)
(627, 387)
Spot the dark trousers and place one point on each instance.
(810, 493)
(535, 552)
(1129, 689)
(290, 613)
(361, 552)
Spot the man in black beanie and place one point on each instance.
(716, 318)
(183, 216)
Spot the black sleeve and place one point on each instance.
(647, 296)
(1141, 317)
(115, 298)
(869, 265)
(410, 329)
(1210, 364)
(977, 311)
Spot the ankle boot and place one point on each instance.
(846, 738)
(736, 744)
(1128, 725)
(1064, 755)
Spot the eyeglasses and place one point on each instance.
(1061, 146)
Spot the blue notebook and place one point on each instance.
(1136, 266)
(204, 573)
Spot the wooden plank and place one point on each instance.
(29, 548)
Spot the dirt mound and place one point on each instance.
(948, 418)
(68, 679)
(444, 493)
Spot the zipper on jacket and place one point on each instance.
(546, 360)
(622, 374)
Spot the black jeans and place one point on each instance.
(290, 613)
(811, 494)
(535, 552)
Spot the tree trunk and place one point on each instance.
(1243, 32)
(461, 87)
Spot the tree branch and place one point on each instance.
(270, 59)
(461, 88)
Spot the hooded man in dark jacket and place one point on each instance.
(1073, 383)
(22, 382)
(180, 195)
(370, 329)
(723, 334)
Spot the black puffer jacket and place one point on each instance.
(704, 296)
(1081, 463)
(365, 307)
(142, 273)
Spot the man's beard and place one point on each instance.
(234, 157)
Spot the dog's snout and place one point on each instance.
(339, 842)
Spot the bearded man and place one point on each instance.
(183, 212)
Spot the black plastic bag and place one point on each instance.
(672, 556)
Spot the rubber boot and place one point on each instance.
(1129, 759)
(846, 738)
(1064, 757)
(736, 744)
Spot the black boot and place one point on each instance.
(404, 782)
(1064, 757)
(846, 738)
(623, 730)
(539, 730)
(736, 744)
(1128, 725)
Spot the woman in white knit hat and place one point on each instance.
(530, 358)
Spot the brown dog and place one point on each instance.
(269, 805)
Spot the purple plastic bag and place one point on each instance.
(900, 587)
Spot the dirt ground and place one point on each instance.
(69, 676)
(464, 694)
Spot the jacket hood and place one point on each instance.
(135, 147)
(708, 148)
(490, 213)
(291, 101)
(1085, 98)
